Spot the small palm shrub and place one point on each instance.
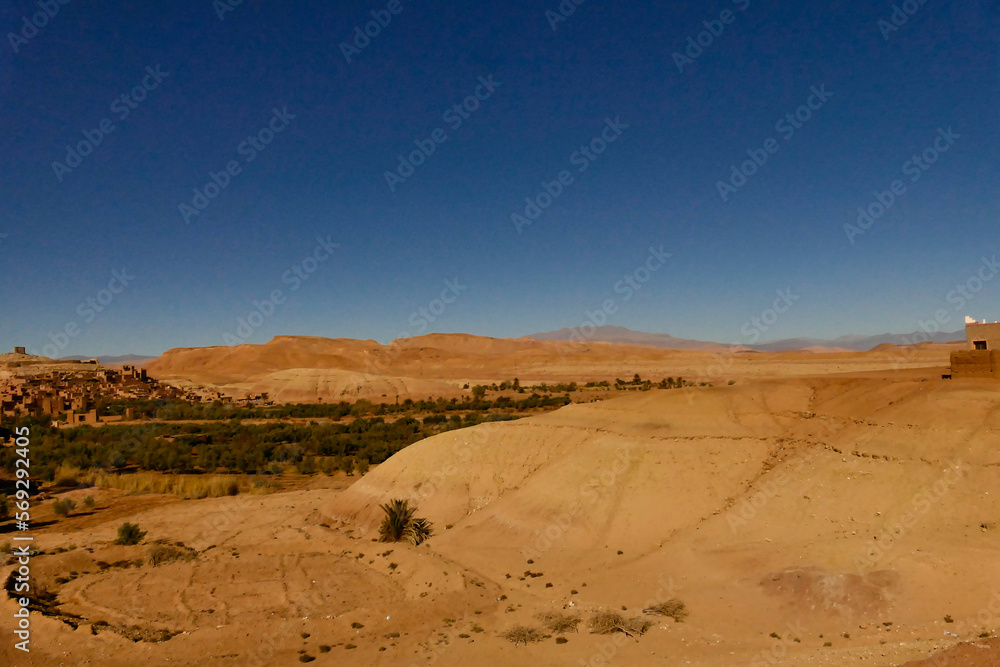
(419, 530)
(399, 523)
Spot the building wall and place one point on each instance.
(990, 333)
(976, 364)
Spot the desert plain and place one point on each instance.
(793, 508)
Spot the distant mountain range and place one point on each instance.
(623, 336)
(120, 359)
(855, 342)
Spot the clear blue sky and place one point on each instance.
(323, 175)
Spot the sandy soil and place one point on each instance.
(304, 369)
(823, 510)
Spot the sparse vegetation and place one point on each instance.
(399, 523)
(673, 608)
(183, 486)
(559, 623)
(66, 475)
(129, 534)
(522, 634)
(63, 507)
(610, 622)
(162, 553)
(361, 466)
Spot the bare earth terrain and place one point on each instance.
(825, 509)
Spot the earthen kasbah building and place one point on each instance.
(982, 358)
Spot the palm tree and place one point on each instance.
(419, 530)
(399, 523)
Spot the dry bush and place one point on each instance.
(673, 608)
(162, 553)
(184, 486)
(63, 507)
(67, 475)
(522, 634)
(129, 534)
(610, 622)
(558, 623)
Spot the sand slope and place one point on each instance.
(855, 511)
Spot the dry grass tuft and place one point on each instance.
(558, 623)
(162, 553)
(610, 622)
(183, 486)
(673, 608)
(67, 475)
(522, 634)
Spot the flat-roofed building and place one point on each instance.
(982, 358)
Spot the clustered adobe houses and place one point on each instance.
(75, 392)
(982, 358)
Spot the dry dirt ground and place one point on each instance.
(307, 369)
(803, 519)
